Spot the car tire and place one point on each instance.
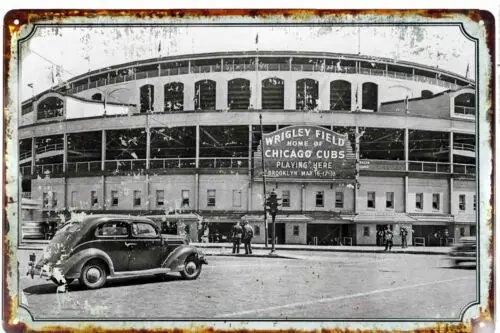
(93, 274)
(68, 281)
(192, 268)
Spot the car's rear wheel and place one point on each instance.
(192, 268)
(93, 274)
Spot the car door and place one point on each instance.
(112, 237)
(145, 246)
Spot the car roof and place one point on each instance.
(96, 218)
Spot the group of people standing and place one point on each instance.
(387, 235)
(241, 234)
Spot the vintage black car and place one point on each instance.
(102, 246)
(464, 252)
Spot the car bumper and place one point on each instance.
(51, 273)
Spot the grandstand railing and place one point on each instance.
(234, 162)
(223, 162)
(317, 67)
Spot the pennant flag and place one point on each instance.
(356, 95)
(30, 85)
(406, 103)
(159, 47)
(257, 39)
(467, 72)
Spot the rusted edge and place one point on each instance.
(34, 16)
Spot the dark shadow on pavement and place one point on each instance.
(50, 288)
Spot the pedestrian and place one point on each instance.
(236, 234)
(247, 237)
(404, 235)
(388, 239)
(380, 237)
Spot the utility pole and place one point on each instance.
(263, 178)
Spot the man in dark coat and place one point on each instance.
(388, 238)
(404, 235)
(236, 234)
(247, 237)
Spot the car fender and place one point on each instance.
(177, 257)
(74, 264)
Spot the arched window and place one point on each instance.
(173, 99)
(238, 94)
(465, 104)
(370, 96)
(50, 107)
(340, 95)
(204, 95)
(306, 91)
(97, 97)
(273, 93)
(147, 93)
(427, 94)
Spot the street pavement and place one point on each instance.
(313, 285)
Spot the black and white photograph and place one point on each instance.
(249, 169)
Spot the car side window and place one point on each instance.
(140, 229)
(112, 229)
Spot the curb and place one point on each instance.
(346, 249)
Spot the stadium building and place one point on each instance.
(358, 144)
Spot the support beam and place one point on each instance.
(197, 157)
(65, 151)
(103, 149)
(451, 152)
(407, 152)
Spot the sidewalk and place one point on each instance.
(226, 248)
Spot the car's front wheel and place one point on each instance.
(192, 268)
(93, 274)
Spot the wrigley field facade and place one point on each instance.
(352, 144)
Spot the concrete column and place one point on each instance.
(197, 157)
(303, 198)
(103, 163)
(65, 151)
(103, 150)
(289, 93)
(148, 142)
(407, 155)
(221, 95)
(196, 192)
(148, 192)
(255, 88)
(451, 152)
(103, 182)
(249, 151)
(188, 95)
(33, 155)
(355, 88)
(406, 194)
(356, 136)
(158, 98)
(324, 94)
(452, 197)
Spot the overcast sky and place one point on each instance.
(80, 49)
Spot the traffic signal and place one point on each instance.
(272, 202)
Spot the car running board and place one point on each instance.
(153, 271)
